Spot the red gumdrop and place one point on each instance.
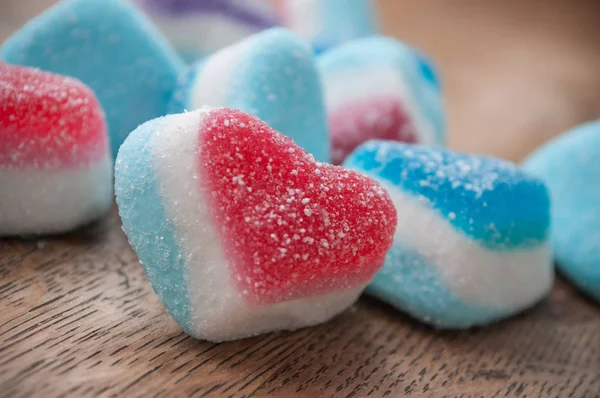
(291, 227)
(48, 121)
(355, 122)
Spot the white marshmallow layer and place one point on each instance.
(36, 202)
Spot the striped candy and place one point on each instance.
(379, 88)
(240, 230)
(55, 164)
(471, 246)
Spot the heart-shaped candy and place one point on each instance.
(55, 164)
(271, 75)
(111, 47)
(240, 230)
(380, 88)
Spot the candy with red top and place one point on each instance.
(55, 163)
(240, 230)
(111, 47)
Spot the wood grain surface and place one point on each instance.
(78, 318)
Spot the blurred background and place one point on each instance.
(514, 72)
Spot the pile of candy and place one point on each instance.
(227, 170)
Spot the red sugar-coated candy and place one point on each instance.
(291, 227)
(365, 119)
(48, 121)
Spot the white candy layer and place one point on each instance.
(218, 310)
(44, 202)
(345, 86)
(509, 281)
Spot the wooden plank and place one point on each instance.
(79, 319)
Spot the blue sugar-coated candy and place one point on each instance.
(109, 46)
(472, 241)
(569, 165)
(380, 88)
(271, 75)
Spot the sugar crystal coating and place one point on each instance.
(568, 165)
(471, 246)
(294, 227)
(55, 165)
(240, 231)
(48, 121)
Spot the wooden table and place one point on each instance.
(78, 318)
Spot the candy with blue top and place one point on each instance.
(271, 75)
(569, 166)
(380, 88)
(471, 245)
(109, 46)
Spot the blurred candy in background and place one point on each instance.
(199, 27)
(514, 74)
(327, 23)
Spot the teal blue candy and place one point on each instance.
(570, 167)
(276, 80)
(141, 210)
(109, 46)
(499, 209)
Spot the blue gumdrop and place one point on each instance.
(568, 164)
(472, 241)
(271, 75)
(109, 46)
